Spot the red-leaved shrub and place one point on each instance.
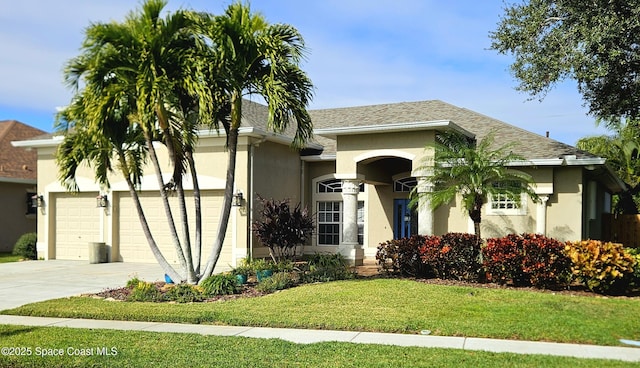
(401, 256)
(453, 256)
(527, 259)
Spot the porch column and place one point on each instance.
(541, 215)
(349, 246)
(425, 213)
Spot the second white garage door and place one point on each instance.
(133, 243)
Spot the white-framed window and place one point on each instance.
(502, 204)
(329, 218)
(327, 197)
(329, 223)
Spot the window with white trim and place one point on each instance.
(329, 207)
(330, 222)
(505, 205)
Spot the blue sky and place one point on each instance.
(361, 52)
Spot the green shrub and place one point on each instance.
(635, 277)
(220, 284)
(326, 267)
(133, 282)
(402, 256)
(25, 247)
(184, 293)
(452, 256)
(604, 268)
(279, 281)
(145, 292)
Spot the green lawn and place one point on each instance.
(390, 305)
(8, 257)
(148, 349)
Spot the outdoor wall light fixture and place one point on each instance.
(237, 199)
(101, 201)
(37, 201)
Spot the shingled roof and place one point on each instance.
(529, 145)
(17, 163)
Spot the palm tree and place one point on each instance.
(250, 56)
(106, 145)
(154, 64)
(621, 151)
(474, 171)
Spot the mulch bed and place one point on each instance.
(122, 294)
(249, 290)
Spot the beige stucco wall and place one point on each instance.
(564, 209)
(409, 145)
(380, 215)
(563, 186)
(13, 218)
(277, 175)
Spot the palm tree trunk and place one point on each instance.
(165, 201)
(226, 204)
(186, 241)
(162, 261)
(232, 147)
(476, 215)
(198, 209)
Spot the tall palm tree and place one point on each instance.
(251, 56)
(474, 171)
(621, 151)
(154, 63)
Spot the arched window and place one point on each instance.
(333, 186)
(405, 184)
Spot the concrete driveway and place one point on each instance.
(34, 281)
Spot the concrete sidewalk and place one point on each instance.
(302, 336)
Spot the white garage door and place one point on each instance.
(133, 244)
(77, 223)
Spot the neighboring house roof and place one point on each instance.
(529, 145)
(17, 164)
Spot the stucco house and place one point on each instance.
(355, 176)
(17, 183)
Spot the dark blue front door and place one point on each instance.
(401, 219)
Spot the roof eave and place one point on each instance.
(39, 143)
(390, 128)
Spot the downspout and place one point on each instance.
(249, 254)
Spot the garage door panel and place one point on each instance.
(133, 243)
(77, 223)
